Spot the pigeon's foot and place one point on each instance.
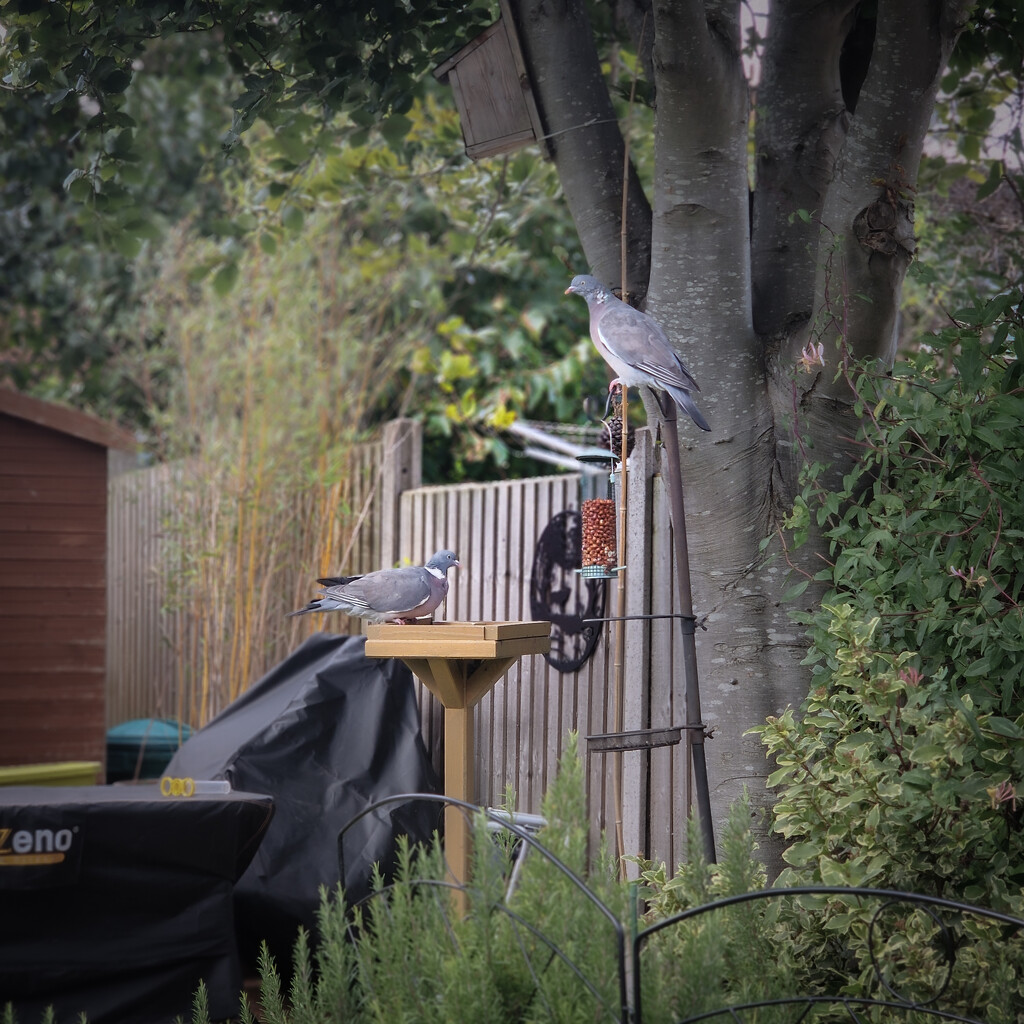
(616, 385)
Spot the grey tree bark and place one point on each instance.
(701, 291)
(747, 284)
(584, 139)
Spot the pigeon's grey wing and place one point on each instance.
(336, 581)
(390, 590)
(623, 330)
(674, 375)
(639, 340)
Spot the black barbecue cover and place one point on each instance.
(115, 901)
(326, 732)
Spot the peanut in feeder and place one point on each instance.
(598, 544)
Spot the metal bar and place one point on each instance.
(629, 618)
(553, 441)
(634, 739)
(620, 620)
(562, 461)
(691, 686)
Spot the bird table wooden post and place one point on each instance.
(458, 662)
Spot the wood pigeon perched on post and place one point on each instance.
(634, 345)
(390, 595)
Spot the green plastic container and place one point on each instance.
(155, 739)
(54, 773)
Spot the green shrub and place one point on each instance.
(905, 761)
(734, 954)
(903, 766)
(544, 952)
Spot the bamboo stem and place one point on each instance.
(620, 638)
(620, 626)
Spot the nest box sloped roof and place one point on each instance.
(492, 92)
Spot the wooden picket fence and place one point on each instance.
(523, 723)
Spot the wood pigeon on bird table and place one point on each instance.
(390, 595)
(634, 345)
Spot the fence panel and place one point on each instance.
(169, 649)
(521, 726)
(141, 663)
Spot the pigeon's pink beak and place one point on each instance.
(567, 290)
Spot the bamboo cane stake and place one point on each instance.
(620, 637)
(620, 603)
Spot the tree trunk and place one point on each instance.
(748, 658)
(801, 125)
(865, 232)
(843, 108)
(867, 236)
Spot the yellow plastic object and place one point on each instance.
(190, 787)
(58, 773)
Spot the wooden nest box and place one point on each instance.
(492, 92)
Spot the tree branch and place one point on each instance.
(869, 212)
(584, 138)
(801, 126)
(637, 18)
(701, 224)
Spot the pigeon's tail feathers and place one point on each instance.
(685, 402)
(313, 606)
(335, 603)
(688, 377)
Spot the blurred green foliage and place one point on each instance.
(116, 120)
(410, 281)
(78, 207)
(979, 108)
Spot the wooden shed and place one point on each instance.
(53, 567)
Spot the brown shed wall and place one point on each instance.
(53, 538)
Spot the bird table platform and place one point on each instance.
(458, 662)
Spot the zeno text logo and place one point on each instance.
(23, 847)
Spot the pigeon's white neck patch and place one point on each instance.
(434, 572)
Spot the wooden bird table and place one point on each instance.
(458, 662)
